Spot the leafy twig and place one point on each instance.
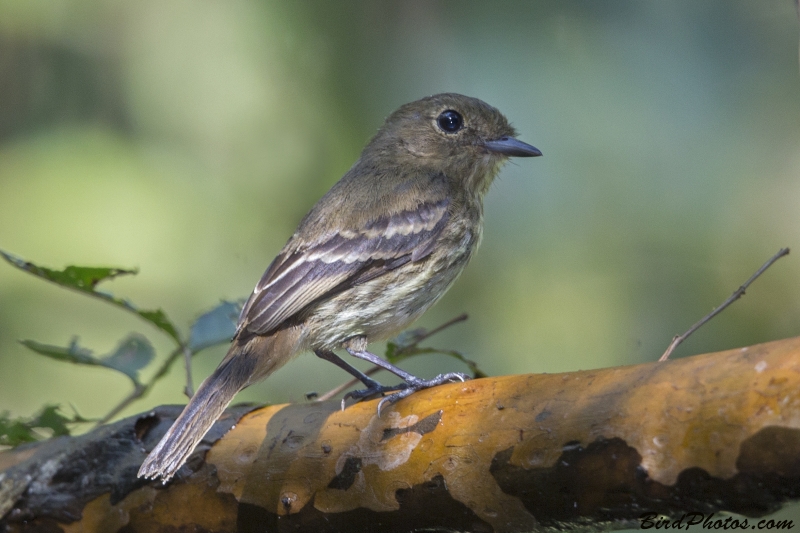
(141, 389)
(15, 431)
(214, 327)
(426, 334)
(210, 329)
(738, 293)
(85, 281)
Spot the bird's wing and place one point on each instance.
(300, 277)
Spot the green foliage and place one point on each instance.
(135, 351)
(132, 354)
(15, 431)
(214, 327)
(86, 279)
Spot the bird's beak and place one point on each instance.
(511, 147)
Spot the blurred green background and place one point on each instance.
(188, 138)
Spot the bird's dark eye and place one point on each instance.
(450, 121)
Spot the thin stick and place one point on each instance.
(434, 331)
(138, 392)
(738, 293)
(187, 361)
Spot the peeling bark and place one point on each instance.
(516, 453)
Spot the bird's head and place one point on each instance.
(462, 137)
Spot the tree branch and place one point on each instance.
(715, 432)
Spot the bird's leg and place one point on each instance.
(344, 365)
(374, 388)
(357, 348)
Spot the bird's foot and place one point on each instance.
(374, 390)
(420, 384)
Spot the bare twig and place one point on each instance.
(137, 392)
(434, 331)
(187, 360)
(405, 349)
(738, 293)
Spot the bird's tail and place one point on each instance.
(244, 364)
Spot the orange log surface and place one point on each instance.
(515, 453)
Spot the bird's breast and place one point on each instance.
(382, 307)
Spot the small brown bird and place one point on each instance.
(382, 246)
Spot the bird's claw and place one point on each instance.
(421, 384)
(371, 392)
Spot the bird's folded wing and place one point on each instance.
(300, 277)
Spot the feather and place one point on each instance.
(298, 278)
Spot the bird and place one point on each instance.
(371, 256)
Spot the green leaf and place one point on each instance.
(79, 278)
(410, 337)
(14, 432)
(20, 430)
(52, 419)
(405, 341)
(214, 327)
(72, 353)
(161, 321)
(86, 279)
(132, 354)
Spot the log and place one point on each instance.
(602, 448)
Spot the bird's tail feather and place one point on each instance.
(207, 404)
